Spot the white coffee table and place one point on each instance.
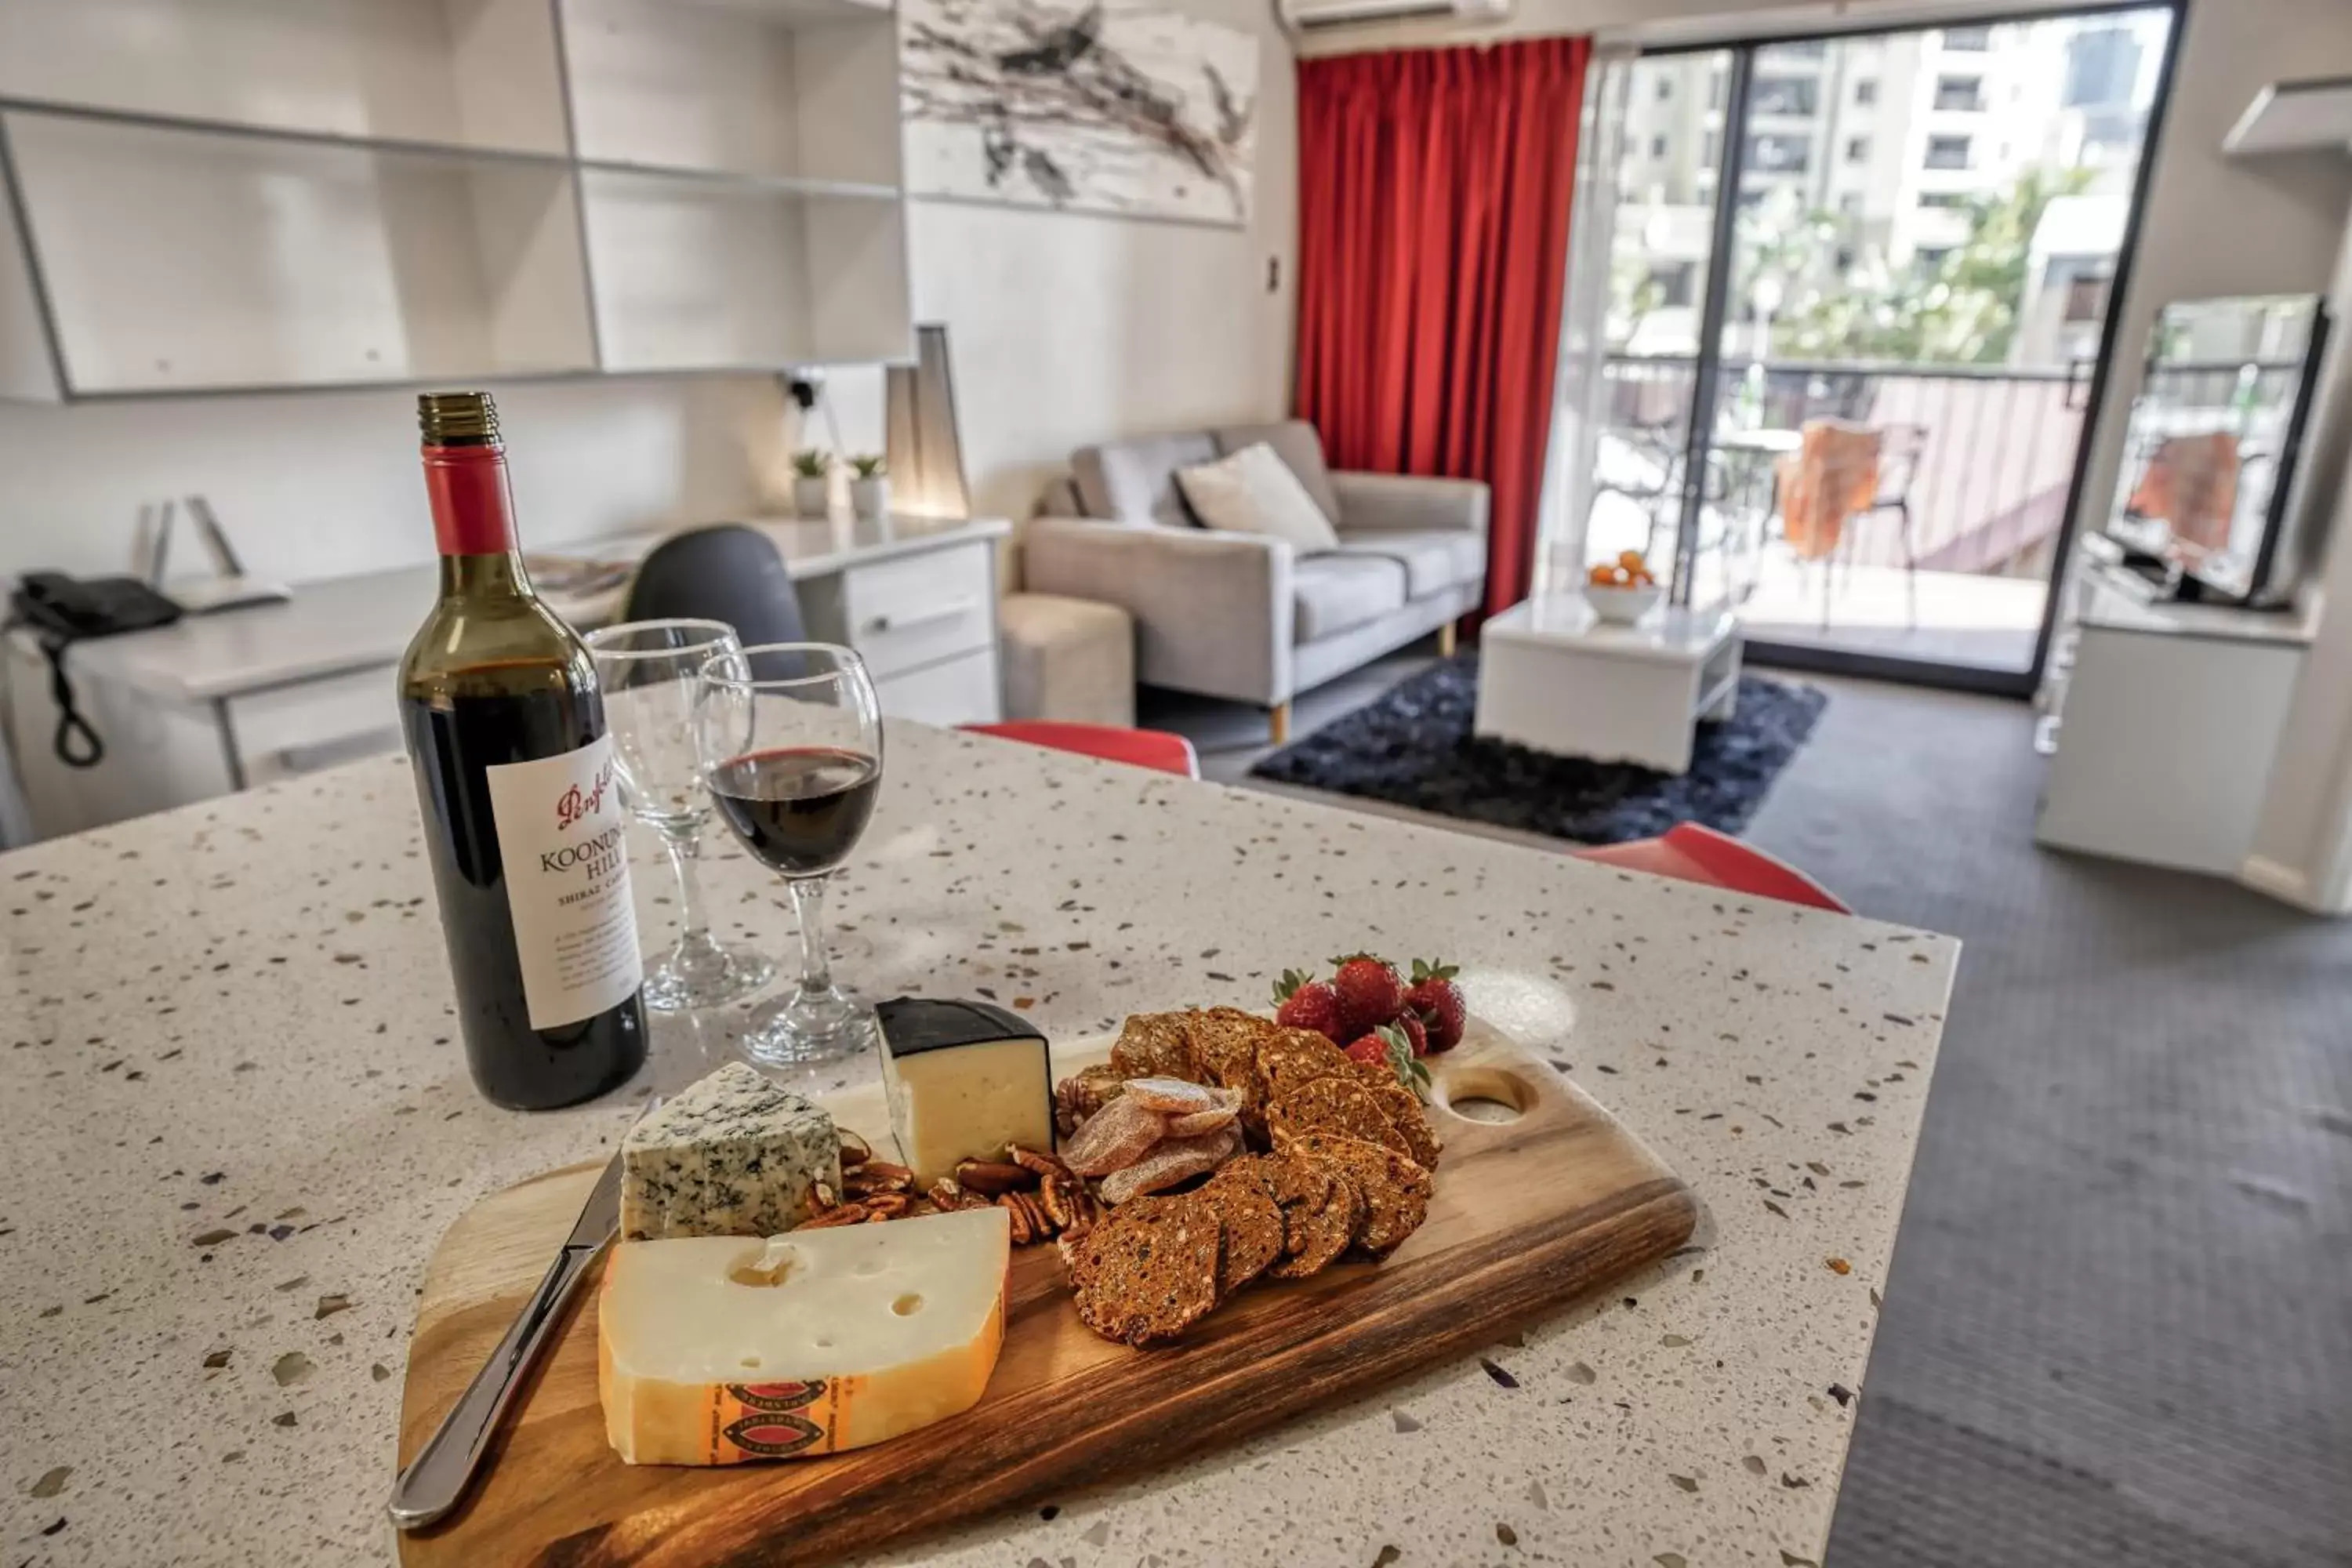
(1553, 676)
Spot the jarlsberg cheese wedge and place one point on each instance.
(715, 1350)
(964, 1080)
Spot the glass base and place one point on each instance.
(709, 976)
(803, 1026)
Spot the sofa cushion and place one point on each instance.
(1297, 444)
(1135, 480)
(1253, 491)
(1336, 593)
(1433, 562)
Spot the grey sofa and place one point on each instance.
(1245, 617)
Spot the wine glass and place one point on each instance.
(650, 673)
(791, 742)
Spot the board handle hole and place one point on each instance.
(1484, 1094)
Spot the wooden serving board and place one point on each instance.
(1527, 1214)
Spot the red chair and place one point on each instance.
(1144, 748)
(1690, 853)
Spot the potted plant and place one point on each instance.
(869, 488)
(812, 476)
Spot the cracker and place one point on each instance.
(1339, 1105)
(1404, 1111)
(1396, 1190)
(1150, 1271)
(1298, 1056)
(1225, 1042)
(1252, 1221)
(1153, 1045)
(1320, 1208)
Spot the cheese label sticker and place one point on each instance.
(778, 1420)
(563, 848)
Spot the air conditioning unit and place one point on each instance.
(1318, 16)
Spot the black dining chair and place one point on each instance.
(728, 572)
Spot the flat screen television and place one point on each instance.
(2215, 435)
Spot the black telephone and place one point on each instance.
(64, 610)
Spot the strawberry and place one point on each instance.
(1305, 1003)
(1370, 993)
(1416, 1033)
(1438, 1002)
(1370, 1049)
(1388, 1047)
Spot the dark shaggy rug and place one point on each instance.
(1413, 746)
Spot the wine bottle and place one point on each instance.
(523, 821)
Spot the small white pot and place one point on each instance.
(871, 499)
(812, 497)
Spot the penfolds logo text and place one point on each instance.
(577, 804)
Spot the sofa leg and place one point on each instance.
(1278, 723)
(1445, 640)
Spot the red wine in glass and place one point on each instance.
(799, 810)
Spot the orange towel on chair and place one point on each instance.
(1833, 477)
(2191, 482)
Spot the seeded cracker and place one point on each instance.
(1150, 1271)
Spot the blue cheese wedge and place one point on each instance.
(965, 1079)
(729, 1155)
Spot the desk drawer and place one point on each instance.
(327, 714)
(959, 692)
(905, 614)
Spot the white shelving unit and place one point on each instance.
(250, 194)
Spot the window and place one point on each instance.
(1779, 152)
(1948, 151)
(1865, 91)
(1850, 203)
(1785, 94)
(1711, 150)
(1657, 146)
(1665, 88)
(1959, 94)
(1678, 282)
(1845, 259)
(1931, 258)
(1967, 40)
(1942, 199)
(2087, 299)
(1857, 149)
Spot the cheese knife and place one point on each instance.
(436, 1480)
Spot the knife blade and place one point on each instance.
(436, 1480)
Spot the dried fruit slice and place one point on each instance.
(1253, 1222)
(1396, 1190)
(1113, 1138)
(1174, 1096)
(1149, 1272)
(1320, 1206)
(1174, 1160)
(1228, 1106)
(1153, 1045)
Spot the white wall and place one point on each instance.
(315, 485)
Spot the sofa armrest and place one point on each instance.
(1214, 613)
(1372, 502)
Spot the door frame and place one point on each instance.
(1731, 159)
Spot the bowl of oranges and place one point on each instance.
(1623, 590)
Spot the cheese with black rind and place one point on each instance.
(965, 1079)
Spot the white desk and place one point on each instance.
(213, 703)
(1554, 676)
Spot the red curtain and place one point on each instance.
(1432, 255)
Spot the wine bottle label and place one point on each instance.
(561, 837)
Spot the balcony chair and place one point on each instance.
(1823, 477)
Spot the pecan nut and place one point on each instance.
(993, 1176)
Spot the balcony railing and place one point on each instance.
(1995, 444)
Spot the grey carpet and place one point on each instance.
(2118, 1328)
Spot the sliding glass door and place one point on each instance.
(1856, 288)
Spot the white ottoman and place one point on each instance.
(1552, 675)
(1071, 660)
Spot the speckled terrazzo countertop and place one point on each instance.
(234, 1123)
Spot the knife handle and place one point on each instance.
(436, 1480)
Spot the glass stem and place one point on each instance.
(686, 860)
(808, 904)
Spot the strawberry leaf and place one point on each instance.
(1291, 979)
(1402, 1062)
(1425, 970)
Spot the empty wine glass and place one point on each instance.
(650, 672)
(791, 743)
